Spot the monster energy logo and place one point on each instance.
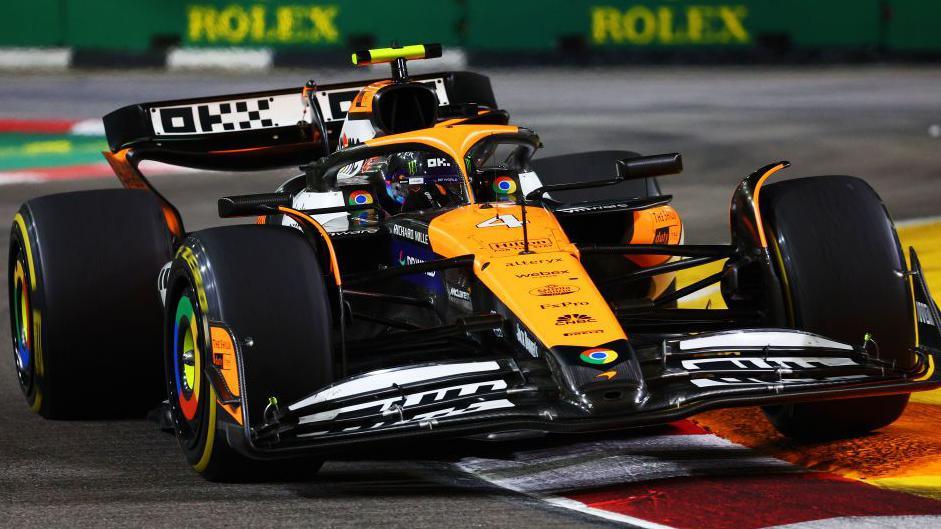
(412, 167)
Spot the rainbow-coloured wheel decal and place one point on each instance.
(186, 358)
(504, 185)
(598, 356)
(22, 323)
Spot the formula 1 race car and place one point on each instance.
(426, 276)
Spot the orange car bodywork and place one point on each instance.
(548, 289)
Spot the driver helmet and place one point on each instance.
(418, 172)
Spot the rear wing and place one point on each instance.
(268, 129)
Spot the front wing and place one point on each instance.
(741, 368)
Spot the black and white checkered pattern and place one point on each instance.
(231, 115)
(238, 116)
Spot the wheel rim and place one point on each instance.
(22, 326)
(186, 359)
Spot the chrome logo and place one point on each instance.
(359, 198)
(504, 185)
(599, 356)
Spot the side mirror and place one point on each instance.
(249, 205)
(650, 166)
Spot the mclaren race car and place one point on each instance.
(428, 274)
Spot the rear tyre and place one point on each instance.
(85, 310)
(840, 261)
(263, 283)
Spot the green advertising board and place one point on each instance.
(672, 24)
(913, 25)
(146, 25)
(320, 24)
(32, 23)
(491, 26)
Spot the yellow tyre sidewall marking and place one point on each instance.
(186, 253)
(37, 318)
(210, 433)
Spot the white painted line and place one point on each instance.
(88, 127)
(224, 59)
(21, 177)
(542, 472)
(35, 58)
(578, 506)
(867, 522)
(598, 464)
(914, 223)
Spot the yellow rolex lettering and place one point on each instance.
(732, 17)
(201, 23)
(258, 24)
(286, 27)
(640, 25)
(606, 24)
(665, 25)
(696, 23)
(324, 26)
(234, 24)
(670, 25)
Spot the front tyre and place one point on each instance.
(261, 283)
(841, 265)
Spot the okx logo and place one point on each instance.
(226, 116)
(574, 319)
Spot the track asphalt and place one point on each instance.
(869, 121)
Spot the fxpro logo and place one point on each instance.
(563, 305)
